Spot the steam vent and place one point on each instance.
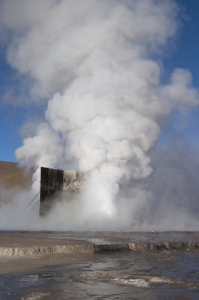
(58, 185)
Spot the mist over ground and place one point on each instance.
(96, 68)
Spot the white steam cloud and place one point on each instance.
(98, 61)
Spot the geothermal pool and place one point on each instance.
(96, 265)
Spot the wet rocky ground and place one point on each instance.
(159, 274)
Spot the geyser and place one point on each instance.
(96, 68)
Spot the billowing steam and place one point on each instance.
(96, 64)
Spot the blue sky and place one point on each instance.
(185, 55)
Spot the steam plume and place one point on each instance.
(96, 64)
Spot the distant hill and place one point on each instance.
(13, 176)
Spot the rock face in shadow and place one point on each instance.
(12, 176)
(58, 185)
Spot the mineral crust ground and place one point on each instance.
(99, 265)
